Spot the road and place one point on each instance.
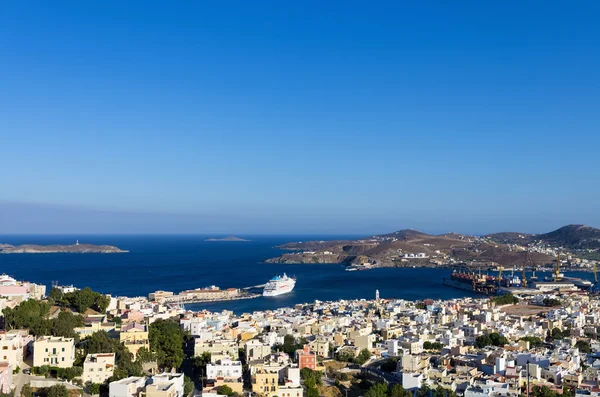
(372, 367)
(21, 379)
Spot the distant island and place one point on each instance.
(230, 238)
(60, 249)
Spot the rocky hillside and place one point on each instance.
(414, 248)
(570, 236)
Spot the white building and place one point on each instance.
(128, 387)
(14, 346)
(224, 369)
(167, 380)
(97, 368)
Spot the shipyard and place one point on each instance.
(503, 283)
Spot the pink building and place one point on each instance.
(5, 378)
(134, 316)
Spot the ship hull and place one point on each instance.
(280, 290)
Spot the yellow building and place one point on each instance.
(54, 351)
(134, 336)
(265, 383)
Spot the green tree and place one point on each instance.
(100, 342)
(583, 346)
(534, 341)
(145, 356)
(493, 339)
(69, 373)
(557, 333)
(59, 390)
(506, 299)
(26, 391)
(312, 392)
(432, 345)
(200, 362)
(55, 294)
(167, 339)
(226, 390)
(398, 391)
(94, 388)
(345, 356)
(65, 324)
(377, 390)
(290, 345)
(188, 386)
(363, 356)
(390, 365)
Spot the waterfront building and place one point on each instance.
(54, 351)
(159, 296)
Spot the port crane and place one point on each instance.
(557, 275)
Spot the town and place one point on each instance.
(80, 342)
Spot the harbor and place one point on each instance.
(468, 280)
(278, 285)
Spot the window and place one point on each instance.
(63, 359)
(4, 347)
(99, 369)
(54, 350)
(91, 369)
(63, 349)
(46, 350)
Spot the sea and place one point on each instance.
(181, 262)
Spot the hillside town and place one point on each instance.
(80, 342)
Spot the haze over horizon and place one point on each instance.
(308, 118)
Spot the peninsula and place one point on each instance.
(230, 238)
(412, 248)
(60, 249)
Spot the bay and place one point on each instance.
(177, 263)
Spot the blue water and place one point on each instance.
(176, 263)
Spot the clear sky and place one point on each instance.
(298, 116)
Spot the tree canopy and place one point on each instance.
(81, 300)
(290, 345)
(100, 342)
(493, 339)
(166, 340)
(506, 299)
(33, 315)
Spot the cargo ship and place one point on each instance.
(482, 284)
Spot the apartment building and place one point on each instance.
(54, 351)
(134, 336)
(128, 387)
(97, 368)
(15, 346)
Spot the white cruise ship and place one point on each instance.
(279, 285)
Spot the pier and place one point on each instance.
(253, 287)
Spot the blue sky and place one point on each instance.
(298, 117)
